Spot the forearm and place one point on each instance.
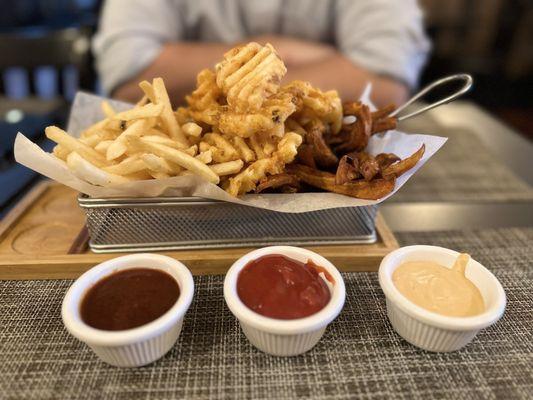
(337, 72)
(178, 64)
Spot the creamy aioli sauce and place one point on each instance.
(436, 288)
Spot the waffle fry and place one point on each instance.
(247, 180)
(274, 113)
(248, 75)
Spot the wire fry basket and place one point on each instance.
(178, 223)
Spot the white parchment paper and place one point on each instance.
(86, 111)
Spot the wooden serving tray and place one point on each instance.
(35, 238)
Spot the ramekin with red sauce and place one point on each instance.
(276, 319)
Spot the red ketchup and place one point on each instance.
(279, 287)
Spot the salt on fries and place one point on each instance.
(241, 129)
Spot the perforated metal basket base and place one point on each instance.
(178, 223)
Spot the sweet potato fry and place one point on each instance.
(373, 190)
(384, 124)
(347, 170)
(359, 132)
(278, 181)
(322, 154)
(350, 107)
(368, 166)
(386, 159)
(305, 155)
(404, 165)
(383, 112)
(380, 121)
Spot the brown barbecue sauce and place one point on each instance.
(128, 299)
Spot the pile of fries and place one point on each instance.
(242, 130)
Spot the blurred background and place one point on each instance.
(45, 57)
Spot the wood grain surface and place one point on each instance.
(37, 235)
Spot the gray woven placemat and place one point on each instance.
(462, 170)
(359, 357)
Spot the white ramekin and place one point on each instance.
(426, 329)
(137, 346)
(284, 337)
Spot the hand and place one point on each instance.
(296, 52)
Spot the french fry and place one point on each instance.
(244, 151)
(139, 176)
(102, 146)
(155, 132)
(167, 115)
(227, 168)
(182, 115)
(159, 164)
(116, 125)
(194, 140)
(158, 174)
(186, 172)
(164, 140)
(108, 111)
(192, 129)
(96, 137)
(74, 145)
(140, 103)
(147, 111)
(192, 150)
(118, 147)
(91, 140)
(94, 128)
(205, 156)
(127, 166)
(61, 152)
(88, 172)
(179, 157)
(204, 146)
(148, 91)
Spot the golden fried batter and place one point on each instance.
(248, 75)
(247, 179)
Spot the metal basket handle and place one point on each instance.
(458, 77)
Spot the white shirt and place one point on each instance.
(383, 36)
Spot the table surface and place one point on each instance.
(508, 148)
(360, 355)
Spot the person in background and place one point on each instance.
(334, 44)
